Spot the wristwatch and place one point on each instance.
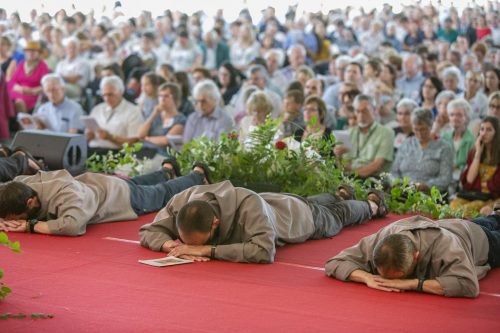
(32, 223)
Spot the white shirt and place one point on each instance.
(77, 66)
(124, 120)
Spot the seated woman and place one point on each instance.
(441, 121)
(404, 110)
(149, 100)
(228, 79)
(459, 137)
(429, 90)
(258, 107)
(314, 118)
(25, 84)
(172, 122)
(481, 177)
(426, 162)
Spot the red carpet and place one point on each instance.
(94, 284)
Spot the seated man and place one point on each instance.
(372, 144)
(209, 120)
(56, 203)
(59, 114)
(118, 119)
(230, 223)
(446, 257)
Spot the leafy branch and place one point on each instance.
(15, 247)
(113, 162)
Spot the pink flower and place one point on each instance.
(280, 145)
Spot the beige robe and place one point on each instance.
(68, 204)
(251, 224)
(454, 252)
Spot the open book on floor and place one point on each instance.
(166, 261)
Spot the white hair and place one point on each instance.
(296, 46)
(462, 104)
(407, 104)
(114, 81)
(342, 60)
(452, 71)
(73, 40)
(445, 94)
(208, 89)
(279, 53)
(52, 78)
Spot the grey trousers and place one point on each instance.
(330, 214)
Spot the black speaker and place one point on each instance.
(58, 150)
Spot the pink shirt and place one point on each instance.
(31, 81)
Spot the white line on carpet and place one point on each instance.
(122, 240)
(277, 262)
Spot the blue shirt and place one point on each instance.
(62, 117)
(211, 126)
(411, 87)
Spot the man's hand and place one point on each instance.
(190, 250)
(340, 150)
(170, 244)
(375, 282)
(14, 225)
(370, 280)
(398, 284)
(103, 134)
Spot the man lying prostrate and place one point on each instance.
(446, 257)
(56, 203)
(230, 223)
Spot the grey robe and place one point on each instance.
(251, 224)
(454, 252)
(69, 204)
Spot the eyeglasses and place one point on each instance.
(311, 110)
(494, 106)
(201, 101)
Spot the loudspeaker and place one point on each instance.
(58, 150)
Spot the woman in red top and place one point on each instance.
(482, 172)
(482, 29)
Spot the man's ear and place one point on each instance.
(215, 222)
(32, 202)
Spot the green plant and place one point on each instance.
(305, 170)
(14, 246)
(113, 162)
(260, 160)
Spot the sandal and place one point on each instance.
(496, 208)
(5, 151)
(346, 192)
(27, 154)
(175, 165)
(206, 170)
(378, 198)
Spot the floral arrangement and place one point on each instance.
(306, 169)
(14, 246)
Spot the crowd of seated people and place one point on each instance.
(417, 91)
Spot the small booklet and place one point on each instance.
(166, 261)
(90, 123)
(343, 136)
(28, 121)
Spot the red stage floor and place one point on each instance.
(95, 284)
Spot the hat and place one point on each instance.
(32, 45)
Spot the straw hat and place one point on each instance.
(33, 45)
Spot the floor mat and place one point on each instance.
(94, 283)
